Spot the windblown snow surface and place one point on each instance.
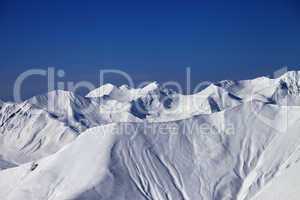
(233, 140)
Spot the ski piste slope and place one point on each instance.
(257, 156)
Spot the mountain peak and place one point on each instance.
(220, 134)
(150, 87)
(123, 92)
(55, 95)
(103, 90)
(60, 94)
(290, 74)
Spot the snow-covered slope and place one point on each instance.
(74, 110)
(284, 186)
(43, 124)
(27, 132)
(283, 90)
(234, 140)
(4, 164)
(104, 90)
(156, 103)
(180, 163)
(211, 99)
(122, 93)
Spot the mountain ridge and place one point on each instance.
(231, 140)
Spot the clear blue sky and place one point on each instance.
(151, 40)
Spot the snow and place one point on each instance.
(284, 186)
(104, 90)
(74, 110)
(6, 164)
(232, 140)
(99, 160)
(27, 133)
(122, 93)
(59, 176)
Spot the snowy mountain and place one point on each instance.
(27, 132)
(282, 90)
(232, 140)
(76, 111)
(122, 93)
(156, 103)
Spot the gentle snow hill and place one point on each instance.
(241, 154)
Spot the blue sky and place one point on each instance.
(151, 40)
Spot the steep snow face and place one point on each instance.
(76, 111)
(288, 89)
(116, 111)
(135, 103)
(260, 88)
(233, 157)
(121, 104)
(122, 93)
(28, 133)
(104, 90)
(292, 82)
(283, 90)
(211, 99)
(155, 103)
(167, 105)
